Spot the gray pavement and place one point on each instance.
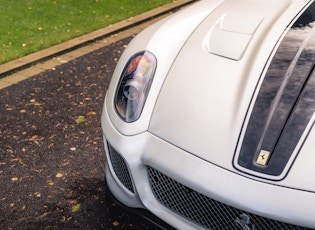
(52, 167)
(25, 67)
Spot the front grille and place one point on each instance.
(120, 168)
(204, 211)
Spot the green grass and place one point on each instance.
(27, 26)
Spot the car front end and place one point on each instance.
(205, 124)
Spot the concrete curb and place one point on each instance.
(40, 56)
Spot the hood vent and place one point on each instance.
(231, 35)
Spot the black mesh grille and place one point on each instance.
(120, 167)
(204, 211)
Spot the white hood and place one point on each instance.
(204, 99)
(203, 104)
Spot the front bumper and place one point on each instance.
(187, 192)
(140, 214)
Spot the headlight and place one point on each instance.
(134, 85)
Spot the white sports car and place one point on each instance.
(208, 120)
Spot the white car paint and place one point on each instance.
(193, 118)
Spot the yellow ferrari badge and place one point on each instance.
(263, 157)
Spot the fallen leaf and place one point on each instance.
(38, 194)
(14, 178)
(37, 170)
(43, 215)
(115, 223)
(91, 113)
(33, 138)
(66, 163)
(76, 207)
(69, 194)
(80, 119)
(73, 202)
(59, 175)
(34, 102)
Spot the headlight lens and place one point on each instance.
(134, 85)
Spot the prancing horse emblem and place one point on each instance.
(263, 158)
(243, 221)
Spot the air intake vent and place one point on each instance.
(206, 212)
(120, 167)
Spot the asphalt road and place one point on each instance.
(51, 157)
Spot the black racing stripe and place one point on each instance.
(285, 102)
